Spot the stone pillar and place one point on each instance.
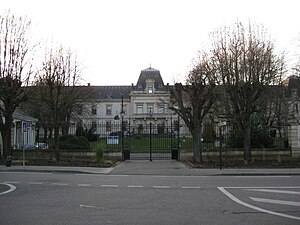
(294, 137)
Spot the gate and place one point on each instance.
(150, 142)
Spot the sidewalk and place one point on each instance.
(159, 167)
(56, 169)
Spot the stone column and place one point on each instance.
(294, 137)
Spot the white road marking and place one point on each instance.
(175, 176)
(109, 185)
(87, 206)
(90, 206)
(187, 187)
(100, 175)
(235, 199)
(262, 176)
(84, 185)
(163, 187)
(248, 187)
(35, 183)
(275, 191)
(11, 188)
(60, 184)
(11, 182)
(274, 201)
(135, 186)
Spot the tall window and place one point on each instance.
(108, 110)
(150, 86)
(150, 108)
(108, 126)
(94, 109)
(94, 125)
(161, 108)
(139, 108)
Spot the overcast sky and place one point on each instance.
(116, 39)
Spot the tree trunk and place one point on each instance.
(197, 144)
(56, 143)
(6, 137)
(247, 144)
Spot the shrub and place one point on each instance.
(73, 142)
(80, 131)
(260, 137)
(99, 154)
(91, 136)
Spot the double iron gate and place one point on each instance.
(149, 142)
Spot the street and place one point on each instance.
(70, 198)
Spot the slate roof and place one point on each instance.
(153, 74)
(105, 92)
(20, 115)
(115, 92)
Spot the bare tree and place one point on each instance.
(57, 93)
(193, 100)
(15, 69)
(247, 64)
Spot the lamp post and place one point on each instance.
(150, 139)
(122, 114)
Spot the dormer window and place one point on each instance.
(150, 86)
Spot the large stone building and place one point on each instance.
(142, 103)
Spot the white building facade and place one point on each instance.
(143, 103)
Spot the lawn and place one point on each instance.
(161, 143)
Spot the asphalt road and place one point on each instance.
(66, 198)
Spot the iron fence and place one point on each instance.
(140, 138)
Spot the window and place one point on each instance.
(150, 108)
(150, 88)
(139, 108)
(108, 110)
(94, 109)
(94, 125)
(108, 126)
(161, 108)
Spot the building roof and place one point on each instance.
(116, 92)
(20, 115)
(105, 92)
(150, 73)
